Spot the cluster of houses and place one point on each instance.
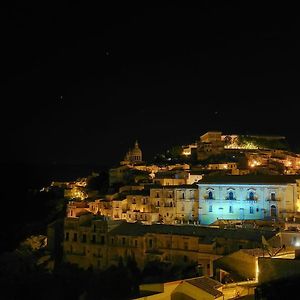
(212, 215)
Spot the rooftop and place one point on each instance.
(246, 179)
(206, 233)
(206, 284)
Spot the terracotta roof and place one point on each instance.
(206, 284)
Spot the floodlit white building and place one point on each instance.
(247, 197)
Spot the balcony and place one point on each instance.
(230, 198)
(252, 199)
(274, 199)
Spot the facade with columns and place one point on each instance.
(247, 197)
(133, 156)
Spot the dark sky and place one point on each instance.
(80, 83)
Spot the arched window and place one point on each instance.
(230, 195)
(273, 211)
(251, 196)
(210, 195)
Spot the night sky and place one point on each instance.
(79, 84)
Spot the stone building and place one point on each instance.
(247, 197)
(93, 241)
(175, 204)
(210, 144)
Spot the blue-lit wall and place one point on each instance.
(245, 201)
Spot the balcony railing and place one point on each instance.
(230, 198)
(273, 199)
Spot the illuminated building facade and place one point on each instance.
(176, 204)
(93, 241)
(210, 144)
(247, 197)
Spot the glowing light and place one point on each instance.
(297, 244)
(256, 270)
(298, 205)
(254, 163)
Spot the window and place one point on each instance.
(186, 246)
(94, 239)
(273, 197)
(210, 208)
(123, 241)
(157, 195)
(150, 243)
(273, 211)
(102, 241)
(251, 196)
(210, 195)
(75, 237)
(84, 238)
(182, 208)
(67, 236)
(135, 243)
(182, 195)
(230, 209)
(251, 210)
(157, 203)
(230, 196)
(185, 258)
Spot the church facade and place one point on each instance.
(133, 156)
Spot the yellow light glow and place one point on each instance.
(298, 205)
(256, 270)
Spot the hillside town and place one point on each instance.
(227, 204)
